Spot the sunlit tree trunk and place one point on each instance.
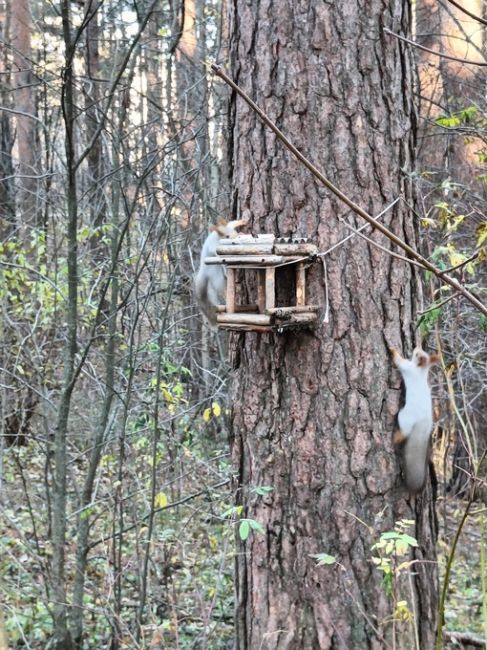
(314, 411)
(27, 151)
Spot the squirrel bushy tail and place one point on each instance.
(208, 309)
(416, 451)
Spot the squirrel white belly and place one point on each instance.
(210, 281)
(415, 419)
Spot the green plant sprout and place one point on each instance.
(392, 546)
(245, 524)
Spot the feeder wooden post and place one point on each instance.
(270, 288)
(300, 284)
(230, 298)
(261, 290)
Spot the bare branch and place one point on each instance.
(467, 12)
(440, 54)
(16, 111)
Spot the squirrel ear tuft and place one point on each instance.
(422, 360)
(220, 226)
(434, 358)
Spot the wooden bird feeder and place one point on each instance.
(267, 257)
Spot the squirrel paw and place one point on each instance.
(398, 437)
(396, 355)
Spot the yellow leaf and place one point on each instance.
(207, 414)
(167, 395)
(160, 500)
(216, 409)
(456, 259)
(481, 233)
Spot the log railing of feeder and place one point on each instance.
(282, 312)
(266, 319)
(248, 319)
(265, 238)
(295, 249)
(444, 277)
(221, 309)
(255, 260)
(243, 327)
(300, 318)
(245, 249)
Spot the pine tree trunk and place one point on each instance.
(314, 411)
(25, 105)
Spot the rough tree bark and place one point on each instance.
(314, 411)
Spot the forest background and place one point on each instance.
(115, 472)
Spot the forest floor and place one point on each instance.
(466, 596)
(192, 565)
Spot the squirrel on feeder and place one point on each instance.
(210, 281)
(415, 419)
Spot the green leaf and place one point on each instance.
(389, 535)
(467, 114)
(86, 512)
(244, 529)
(448, 122)
(256, 526)
(410, 540)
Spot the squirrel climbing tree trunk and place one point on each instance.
(314, 411)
